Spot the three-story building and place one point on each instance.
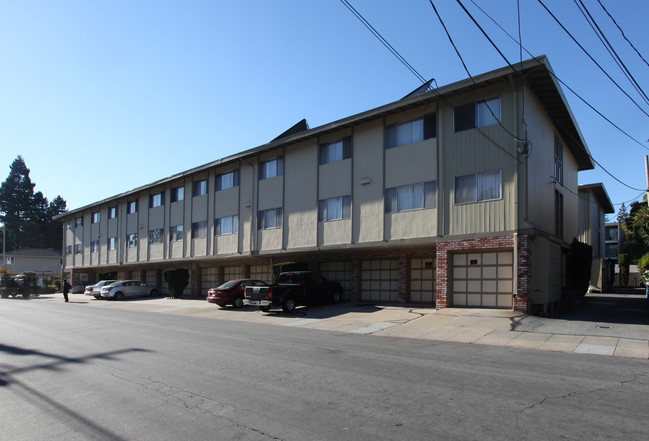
(465, 195)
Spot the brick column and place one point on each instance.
(356, 280)
(404, 278)
(522, 299)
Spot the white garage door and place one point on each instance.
(422, 280)
(483, 279)
(380, 280)
(209, 278)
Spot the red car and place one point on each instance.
(231, 293)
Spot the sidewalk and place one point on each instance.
(474, 326)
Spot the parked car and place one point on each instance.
(128, 288)
(95, 290)
(78, 288)
(292, 289)
(231, 293)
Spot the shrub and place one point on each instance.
(643, 268)
(283, 267)
(177, 279)
(624, 261)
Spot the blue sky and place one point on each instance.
(100, 97)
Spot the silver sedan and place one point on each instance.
(128, 288)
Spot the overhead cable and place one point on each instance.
(622, 32)
(591, 58)
(560, 80)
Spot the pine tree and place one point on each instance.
(27, 216)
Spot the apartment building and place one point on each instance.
(465, 195)
(594, 205)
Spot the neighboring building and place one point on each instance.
(44, 262)
(613, 238)
(594, 204)
(426, 200)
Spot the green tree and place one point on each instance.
(27, 216)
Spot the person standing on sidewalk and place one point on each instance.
(66, 289)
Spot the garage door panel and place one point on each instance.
(483, 279)
(380, 280)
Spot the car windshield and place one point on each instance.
(228, 285)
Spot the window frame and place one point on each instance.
(94, 246)
(175, 231)
(199, 188)
(157, 199)
(78, 221)
(177, 194)
(112, 212)
(472, 121)
(234, 225)
(279, 167)
(428, 130)
(219, 180)
(95, 217)
(11, 260)
(131, 240)
(478, 186)
(131, 207)
(199, 230)
(156, 236)
(345, 208)
(261, 218)
(112, 243)
(78, 248)
(428, 194)
(558, 159)
(324, 150)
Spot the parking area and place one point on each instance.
(604, 324)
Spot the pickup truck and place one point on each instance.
(292, 289)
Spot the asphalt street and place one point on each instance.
(74, 372)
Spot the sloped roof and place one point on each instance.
(536, 72)
(600, 194)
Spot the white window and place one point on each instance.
(11, 260)
(131, 239)
(267, 219)
(78, 222)
(112, 243)
(227, 180)
(155, 236)
(156, 200)
(336, 151)
(94, 219)
(226, 225)
(131, 207)
(199, 229)
(94, 246)
(411, 197)
(478, 187)
(68, 250)
(334, 208)
(112, 212)
(176, 233)
(477, 114)
(271, 168)
(408, 132)
(77, 248)
(177, 194)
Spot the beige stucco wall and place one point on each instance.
(300, 178)
(367, 206)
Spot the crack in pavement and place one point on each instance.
(574, 393)
(194, 401)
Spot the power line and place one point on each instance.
(520, 74)
(622, 32)
(609, 47)
(582, 99)
(385, 43)
(591, 57)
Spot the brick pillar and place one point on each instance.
(441, 276)
(195, 281)
(158, 279)
(245, 271)
(524, 273)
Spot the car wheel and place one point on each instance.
(221, 305)
(98, 297)
(154, 293)
(238, 302)
(119, 296)
(264, 308)
(335, 297)
(289, 305)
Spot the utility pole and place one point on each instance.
(646, 172)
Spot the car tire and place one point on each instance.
(289, 305)
(98, 297)
(119, 296)
(154, 293)
(335, 297)
(238, 302)
(264, 308)
(222, 305)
